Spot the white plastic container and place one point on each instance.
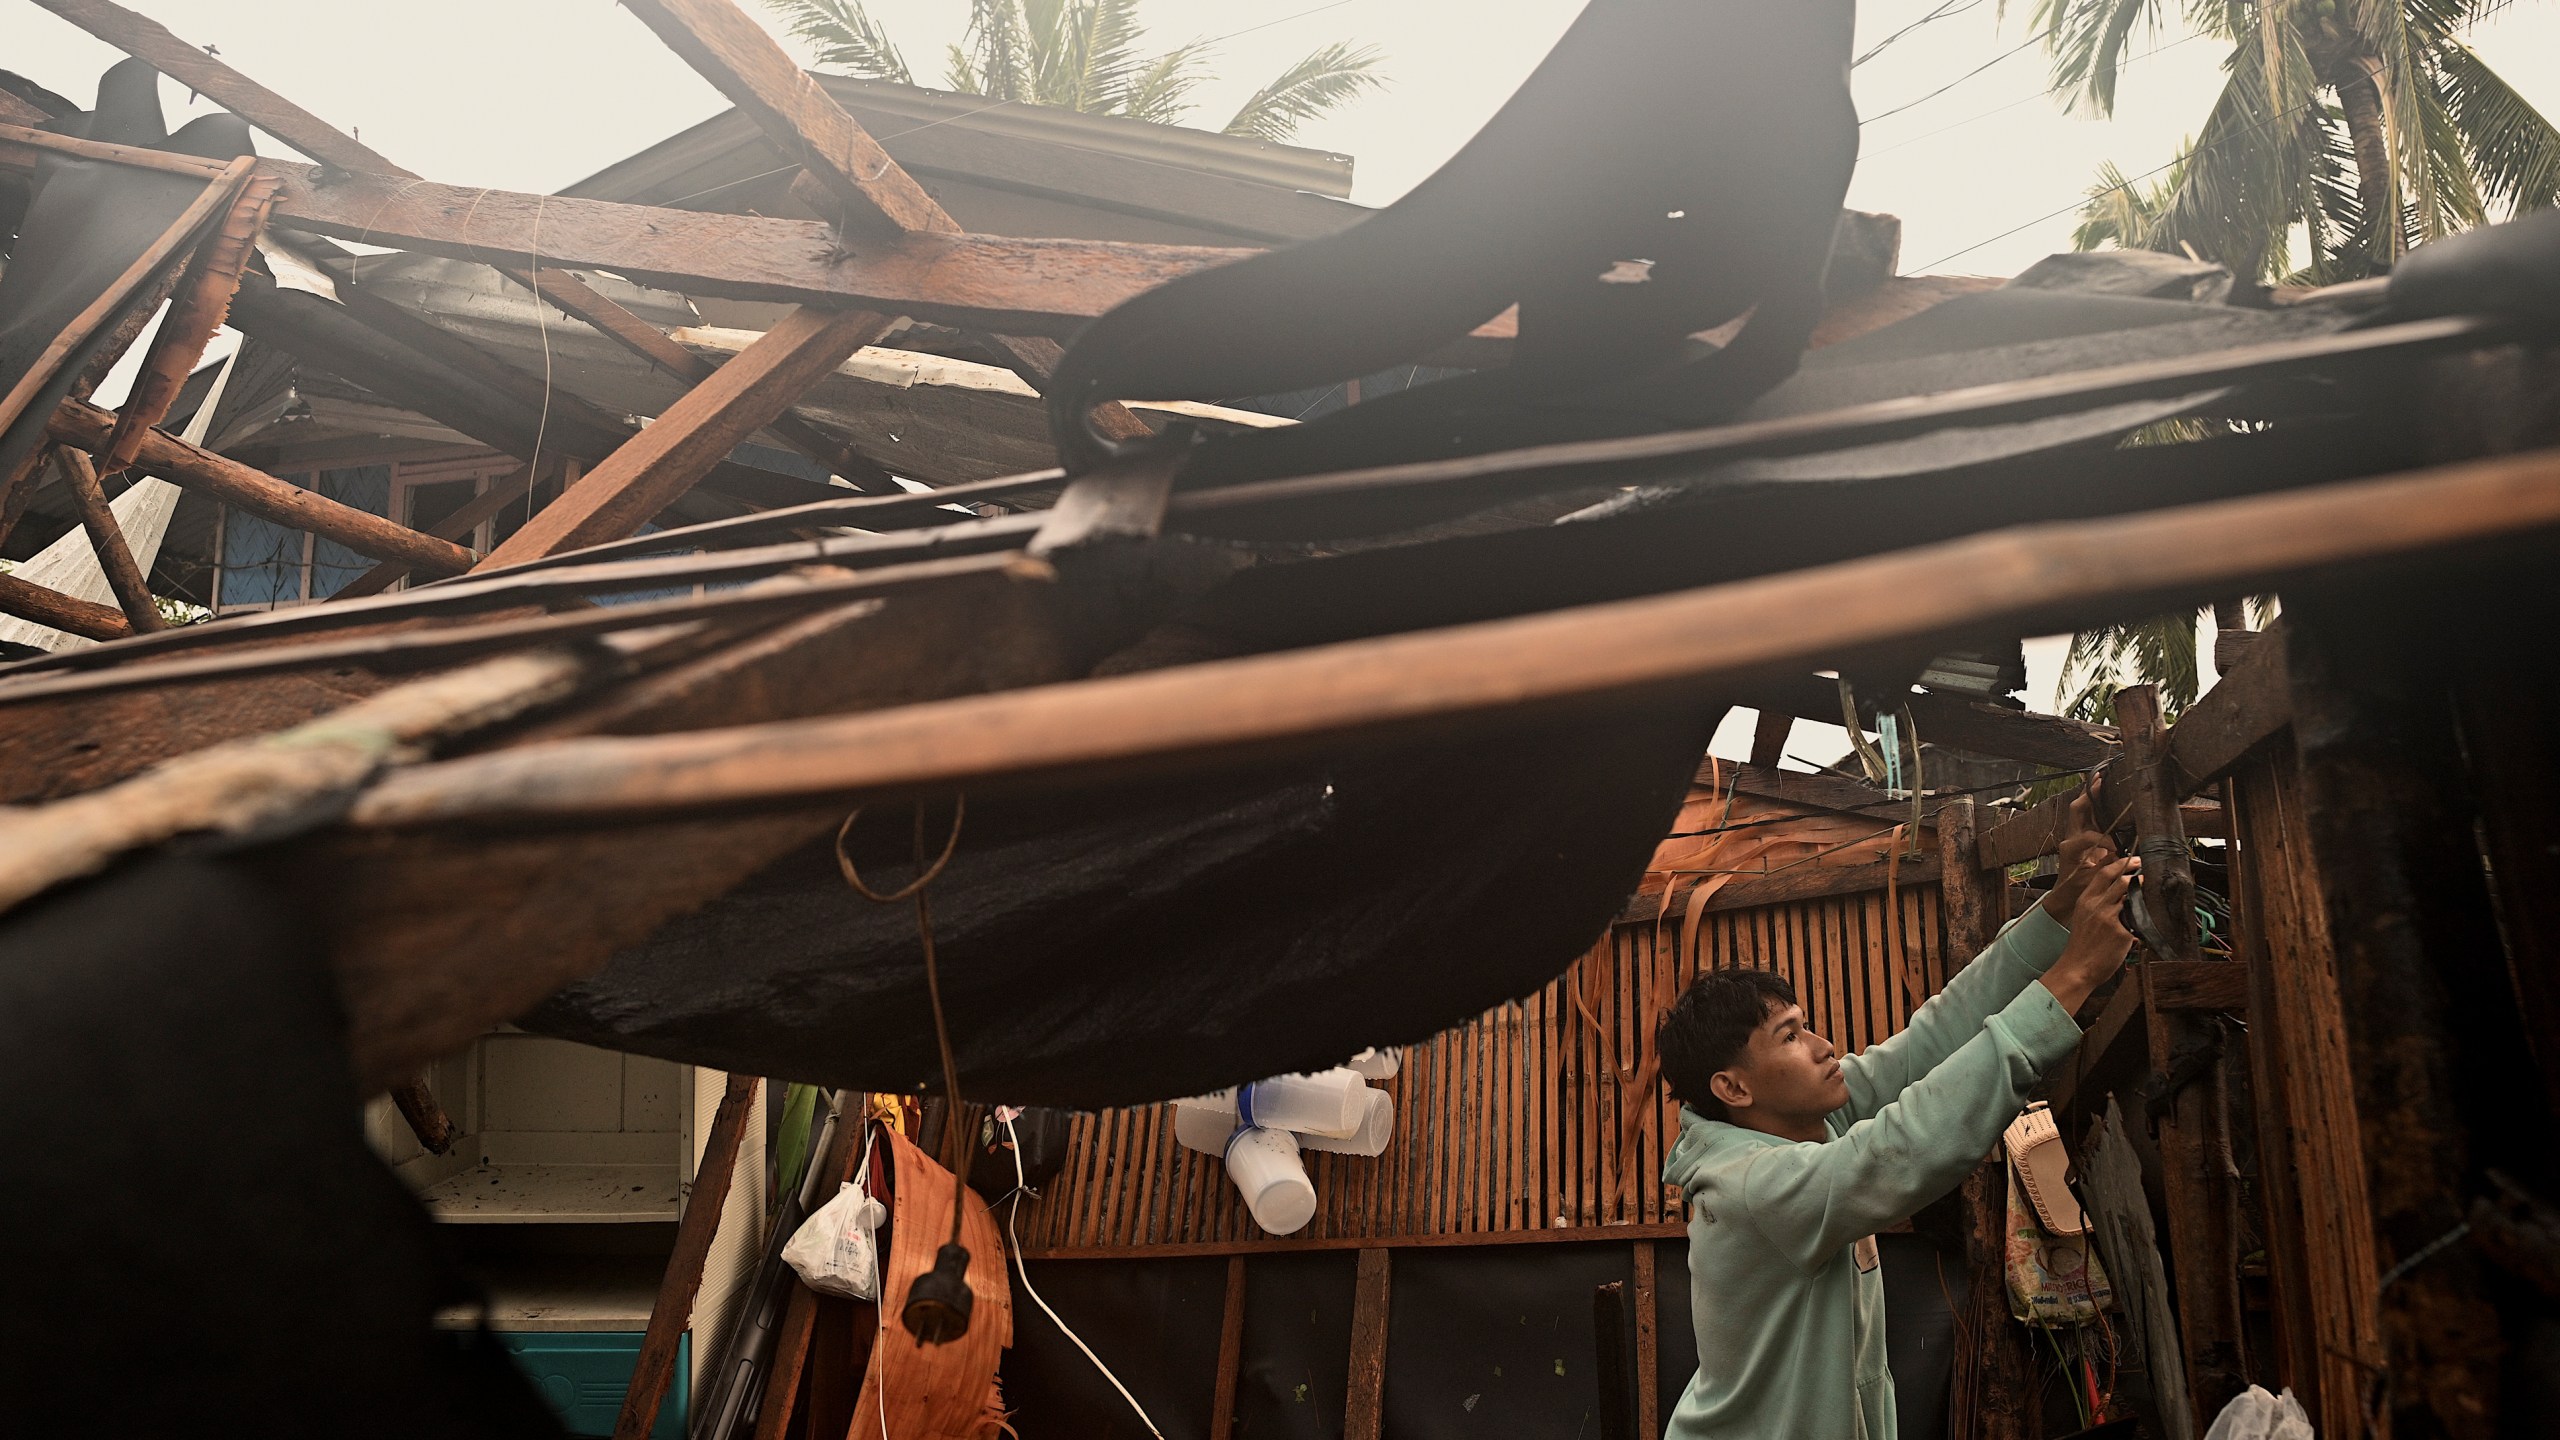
(1376, 1064)
(1264, 1165)
(1330, 1103)
(1377, 1127)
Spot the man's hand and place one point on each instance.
(2099, 942)
(2084, 849)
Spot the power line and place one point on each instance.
(2049, 90)
(1950, 85)
(1945, 9)
(2083, 201)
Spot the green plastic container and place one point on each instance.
(585, 1374)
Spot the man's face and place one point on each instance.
(1790, 1071)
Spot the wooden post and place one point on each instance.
(1769, 737)
(2204, 1254)
(427, 1120)
(1364, 1412)
(673, 1309)
(106, 540)
(1992, 1395)
(1611, 1371)
(2310, 1151)
(1222, 1402)
(2433, 1041)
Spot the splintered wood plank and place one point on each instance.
(698, 431)
(196, 311)
(1648, 1341)
(122, 292)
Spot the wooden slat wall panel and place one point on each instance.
(1520, 1118)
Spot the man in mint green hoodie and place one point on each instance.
(1793, 1156)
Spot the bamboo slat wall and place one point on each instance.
(1535, 1120)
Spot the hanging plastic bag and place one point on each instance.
(2256, 1415)
(834, 1251)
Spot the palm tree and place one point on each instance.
(2367, 122)
(1082, 55)
(2159, 650)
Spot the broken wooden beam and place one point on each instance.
(195, 314)
(219, 192)
(106, 541)
(672, 1312)
(426, 1115)
(653, 468)
(86, 427)
(38, 605)
(2034, 575)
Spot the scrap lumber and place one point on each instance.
(25, 600)
(106, 541)
(672, 1311)
(448, 644)
(196, 311)
(1226, 710)
(2196, 1183)
(86, 427)
(426, 1115)
(238, 787)
(219, 192)
(653, 468)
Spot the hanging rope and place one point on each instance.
(938, 1303)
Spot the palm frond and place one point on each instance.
(2515, 152)
(1328, 79)
(1103, 59)
(843, 37)
(2453, 189)
(990, 59)
(2086, 39)
(2159, 650)
(1161, 93)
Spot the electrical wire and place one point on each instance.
(1950, 85)
(1021, 1184)
(1944, 10)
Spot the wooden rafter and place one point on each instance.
(86, 427)
(1033, 286)
(141, 36)
(662, 462)
(844, 172)
(36, 604)
(195, 313)
(106, 540)
(1590, 654)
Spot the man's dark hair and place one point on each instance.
(1708, 1028)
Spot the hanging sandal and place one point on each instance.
(2036, 1152)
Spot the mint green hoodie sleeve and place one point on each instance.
(1811, 1199)
(2024, 949)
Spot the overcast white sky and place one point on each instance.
(535, 94)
